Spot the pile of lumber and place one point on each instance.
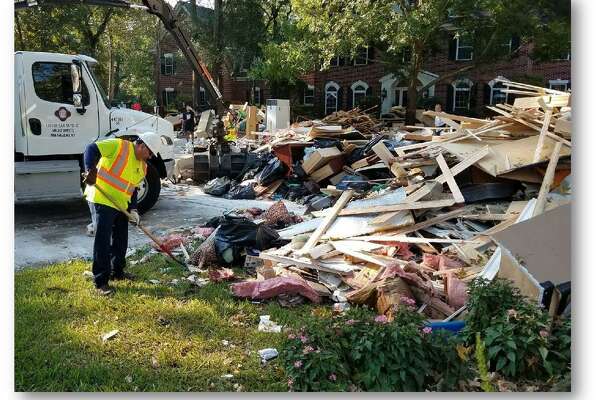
(445, 215)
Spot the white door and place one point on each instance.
(52, 123)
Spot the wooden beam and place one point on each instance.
(383, 153)
(419, 205)
(540, 204)
(458, 197)
(547, 115)
(422, 192)
(327, 221)
(408, 239)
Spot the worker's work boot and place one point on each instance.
(104, 290)
(122, 276)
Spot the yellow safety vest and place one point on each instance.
(119, 173)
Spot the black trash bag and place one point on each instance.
(240, 192)
(254, 163)
(325, 143)
(214, 222)
(274, 170)
(355, 182)
(266, 237)
(217, 186)
(234, 234)
(298, 172)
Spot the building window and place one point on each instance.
(331, 97)
(362, 56)
(52, 82)
(497, 95)
(201, 96)
(169, 95)
(256, 98)
(559, 84)
(167, 64)
(508, 46)
(462, 94)
(335, 61)
(309, 95)
(359, 93)
(464, 48)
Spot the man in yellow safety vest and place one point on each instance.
(117, 167)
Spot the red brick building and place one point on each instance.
(177, 82)
(351, 82)
(347, 82)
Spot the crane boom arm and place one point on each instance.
(165, 13)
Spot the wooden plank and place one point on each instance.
(335, 268)
(383, 153)
(533, 102)
(430, 222)
(327, 221)
(540, 204)
(487, 217)
(538, 149)
(458, 197)
(457, 169)
(318, 158)
(331, 168)
(358, 254)
(251, 122)
(453, 117)
(409, 239)
(320, 250)
(416, 195)
(395, 207)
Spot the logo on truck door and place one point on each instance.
(62, 113)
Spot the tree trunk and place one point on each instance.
(159, 102)
(218, 40)
(20, 33)
(413, 83)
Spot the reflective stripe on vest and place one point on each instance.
(121, 161)
(120, 184)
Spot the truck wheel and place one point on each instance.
(149, 190)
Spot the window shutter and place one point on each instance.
(515, 42)
(473, 97)
(162, 65)
(174, 64)
(487, 92)
(340, 99)
(370, 55)
(349, 98)
(449, 98)
(452, 42)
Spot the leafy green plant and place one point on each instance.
(372, 353)
(482, 364)
(516, 332)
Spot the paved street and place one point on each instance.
(50, 232)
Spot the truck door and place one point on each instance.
(53, 124)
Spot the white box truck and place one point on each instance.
(59, 108)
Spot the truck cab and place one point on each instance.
(60, 108)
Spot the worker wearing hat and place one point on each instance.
(117, 167)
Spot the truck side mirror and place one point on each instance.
(76, 81)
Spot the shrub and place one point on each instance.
(372, 353)
(516, 332)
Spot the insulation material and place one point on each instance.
(269, 288)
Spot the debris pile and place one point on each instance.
(405, 216)
(401, 215)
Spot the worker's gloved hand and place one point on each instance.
(90, 177)
(134, 217)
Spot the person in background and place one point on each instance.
(188, 122)
(438, 121)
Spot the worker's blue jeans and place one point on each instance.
(110, 244)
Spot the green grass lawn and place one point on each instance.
(170, 336)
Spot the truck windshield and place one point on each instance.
(98, 85)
